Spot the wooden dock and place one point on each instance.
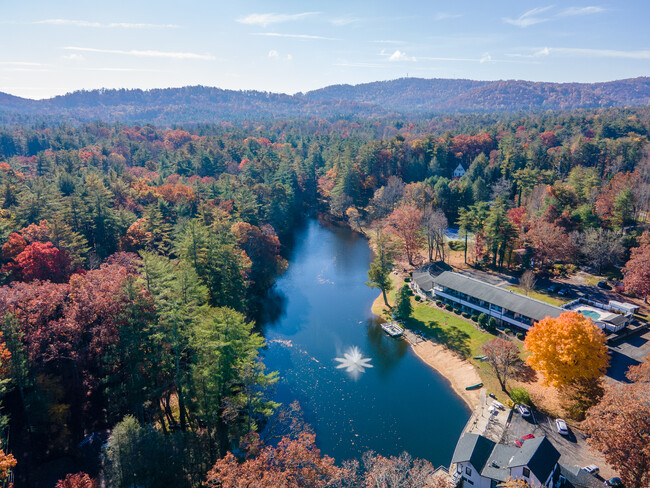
(413, 338)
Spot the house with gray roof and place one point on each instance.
(476, 297)
(482, 463)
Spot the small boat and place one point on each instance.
(474, 387)
(393, 329)
(480, 358)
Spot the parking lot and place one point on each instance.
(573, 448)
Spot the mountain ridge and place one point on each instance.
(397, 97)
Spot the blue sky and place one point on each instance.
(49, 48)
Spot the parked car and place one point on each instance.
(523, 410)
(603, 284)
(614, 482)
(564, 292)
(553, 288)
(592, 469)
(520, 442)
(562, 427)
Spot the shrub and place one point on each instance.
(466, 315)
(483, 319)
(491, 325)
(474, 318)
(457, 245)
(439, 303)
(449, 307)
(418, 298)
(507, 331)
(457, 311)
(520, 395)
(407, 280)
(520, 336)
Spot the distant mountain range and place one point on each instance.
(403, 96)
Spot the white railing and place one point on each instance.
(490, 312)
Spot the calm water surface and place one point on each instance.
(322, 308)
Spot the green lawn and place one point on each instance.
(538, 295)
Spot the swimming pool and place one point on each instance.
(590, 313)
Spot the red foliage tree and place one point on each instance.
(13, 247)
(405, 222)
(619, 426)
(77, 480)
(43, 261)
(637, 269)
(550, 243)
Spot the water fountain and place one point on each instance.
(353, 362)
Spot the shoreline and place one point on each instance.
(458, 371)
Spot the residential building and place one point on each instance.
(459, 171)
(481, 463)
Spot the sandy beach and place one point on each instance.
(457, 370)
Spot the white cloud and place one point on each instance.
(294, 36)
(121, 25)
(267, 19)
(341, 21)
(581, 11)
(74, 57)
(486, 58)
(144, 54)
(531, 17)
(400, 56)
(273, 54)
(389, 41)
(444, 16)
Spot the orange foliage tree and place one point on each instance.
(567, 349)
(292, 464)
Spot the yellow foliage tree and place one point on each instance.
(567, 349)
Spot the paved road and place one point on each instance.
(573, 448)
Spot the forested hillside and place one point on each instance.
(133, 259)
(405, 96)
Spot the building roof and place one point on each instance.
(578, 478)
(496, 467)
(528, 307)
(473, 448)
(538, 455)
(423, 276)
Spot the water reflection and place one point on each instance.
(317, 310)
(386, 350)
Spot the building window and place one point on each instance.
(526, 473)
(468, 471)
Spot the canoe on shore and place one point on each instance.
(474, 387)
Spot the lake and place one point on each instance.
(321, 308)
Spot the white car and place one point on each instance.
(592, 469)
(562, 427)
(523, 410)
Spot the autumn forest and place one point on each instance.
(134, 259)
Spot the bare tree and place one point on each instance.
(600, 248)
(434, 224)
(386, 198)
(503, 356)
(527, 281)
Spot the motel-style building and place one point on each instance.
(475, 297)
